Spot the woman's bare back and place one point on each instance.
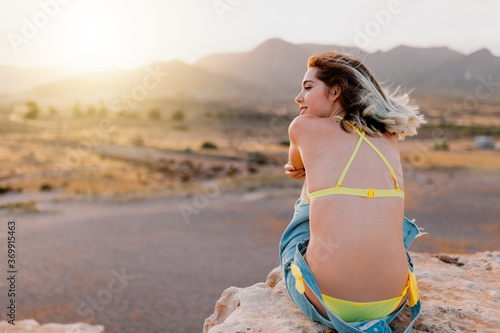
(356, 249)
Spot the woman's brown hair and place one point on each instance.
(368, 106)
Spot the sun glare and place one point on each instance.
(92, 35)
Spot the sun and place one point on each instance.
(92, 34)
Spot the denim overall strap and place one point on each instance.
(410, 231)
(415, 312)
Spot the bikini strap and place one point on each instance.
(362, 137)
(385, 161)
(355, 151)
(346, 168)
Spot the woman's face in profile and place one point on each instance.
(313, 99)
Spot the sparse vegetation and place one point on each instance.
(251, 168)
(185, 130)
(208, 145)
(258, 158)
(46, 187)
(103, 111)
(459, 131)
(77, 110)
(33, 110)
(232, 171)
(5, 189)
(441, 144)
(154, 114)
(21, 206)
(53, 112)
(178, 115)
(180, 127)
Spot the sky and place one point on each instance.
(99, 34)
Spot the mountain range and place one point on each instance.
(271, 71)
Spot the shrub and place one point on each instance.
(178, 115)
(441, 145)
(26, 207)
(154, 114)
(45, 187)
(252, 168)
(258, 158)
(6, 189)
(208, 145)
(33, 110)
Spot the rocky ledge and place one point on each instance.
(32, 326)
(459, 293)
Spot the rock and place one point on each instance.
(455, 298)
(32, 326)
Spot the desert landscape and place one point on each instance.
(180, 193)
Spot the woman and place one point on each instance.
(344, 253)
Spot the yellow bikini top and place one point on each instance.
(361, 192)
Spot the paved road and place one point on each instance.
(138, 266)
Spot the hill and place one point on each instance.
(270, 74)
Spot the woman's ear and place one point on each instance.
(335, 92)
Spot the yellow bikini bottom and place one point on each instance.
(356, 312)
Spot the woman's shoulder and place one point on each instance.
(306, 125)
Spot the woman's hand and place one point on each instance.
(290, 171)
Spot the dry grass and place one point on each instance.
(20, 206)
(125, 160)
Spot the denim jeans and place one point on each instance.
(293, 245)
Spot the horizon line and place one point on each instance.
(192, 63)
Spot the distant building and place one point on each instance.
(484, 142)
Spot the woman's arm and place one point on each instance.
(295, 167)
(294, 133)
